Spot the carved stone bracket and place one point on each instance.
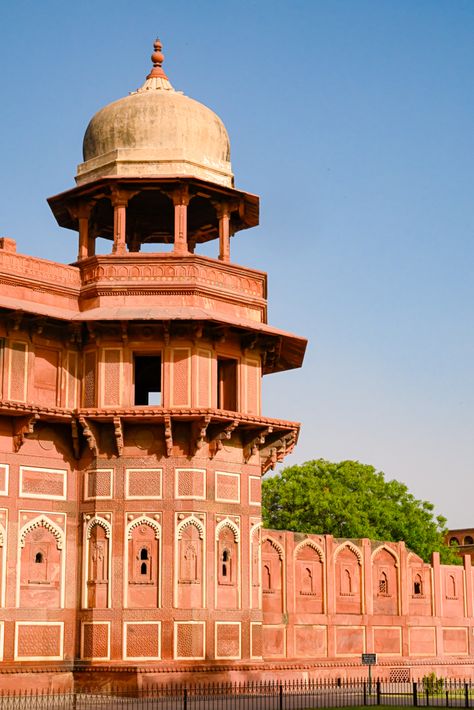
(253, 444)
(22, 428)
(89, 434)
(277, 453)
(168, 436)
(75, 438)
(220, 432)
(118, 431)
(199, 431)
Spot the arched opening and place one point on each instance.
(150, 222)
(383, 584)
(203, 225)
(39, 558)
(468, 540)
(417, 586)
(453, 541)
(144, 553)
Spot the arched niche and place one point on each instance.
(309, 578)
(190, 564)
(348, 579)
(272, 576)
(98, 563)
(143, 563)
(41, 561)
(255, 566)
(385, 581)
(227, 572)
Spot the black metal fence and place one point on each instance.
(274, 695)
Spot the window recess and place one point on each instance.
(147, 380)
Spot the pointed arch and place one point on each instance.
(347, 544)
(96, 520)
(387, 549)
(42, 521)
(143, 520)
(228, 523)
(192, 520)
(313, 545)
(255, 532)
(276, 545)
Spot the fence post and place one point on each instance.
(185, 699)
(466, 695)
(427, 692)
(415, 694)
(281, 696)
(378, 692)
(365, 693)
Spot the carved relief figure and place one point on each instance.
(190, 567)
(97, 567)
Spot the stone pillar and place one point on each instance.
(119, 201)
(181, 201)
(223, 214)
(83, 214)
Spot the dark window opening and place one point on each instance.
(39, 558)
(147, 375)
(144, 554)
(468, 540)
(227, 384)
(417, 588)
(143, 568)
(225, 560)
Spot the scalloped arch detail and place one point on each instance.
(255, 530)
(96, 520)
(350, 546)
(144, 520)
(44, 522)
(227, 523)
(313, 545)
(192, 520)
(276, 545)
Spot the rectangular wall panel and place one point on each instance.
(45, 376)
(181, 377)
(89, 392)
(71, 377)
(204, 378)
(252, 385)
(111, 377)
(48, 483)
(39, 640)
(18, 371)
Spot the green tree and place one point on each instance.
(352, 500)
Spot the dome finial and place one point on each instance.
(157, 58)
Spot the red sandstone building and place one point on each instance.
(132, 446)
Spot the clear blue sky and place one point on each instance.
(354, 122)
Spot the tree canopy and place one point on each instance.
(353, 500)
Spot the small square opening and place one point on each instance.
(147, 379)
